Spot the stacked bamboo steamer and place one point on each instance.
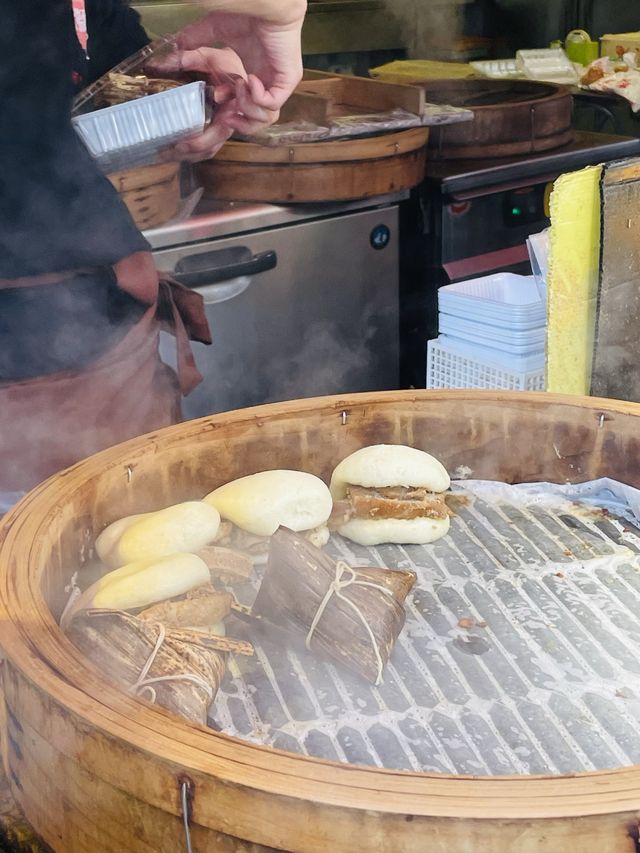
(311, 172)
(332, 169)
(336, 170)
(150, 193)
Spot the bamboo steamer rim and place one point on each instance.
(58, 666)
(337, 150)
(560, 92)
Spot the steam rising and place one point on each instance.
(427, 25)
(330, 362)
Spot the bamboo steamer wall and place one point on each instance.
(150, 193)
(96, 771)
(337, 170)
(511, 118)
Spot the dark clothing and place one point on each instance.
(115, 33)
(79, 310)
(57, 212)
(62, 326)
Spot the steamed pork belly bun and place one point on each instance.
(255, 506)
(390, 493)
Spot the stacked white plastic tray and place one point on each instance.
(492, 335)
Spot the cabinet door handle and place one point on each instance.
(197, 279)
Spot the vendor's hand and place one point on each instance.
(224, 72)
(252, 78)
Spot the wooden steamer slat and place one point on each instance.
(96, 770)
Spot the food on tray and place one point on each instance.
(619, 76)
(204, 608)
(182, 528)
(353, 615)
(143, 583)
(260, 503)
(110, 536)
(390, 493)
(593, 73)
(179, 670)
(120, 88)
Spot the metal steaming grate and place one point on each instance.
(547, 682)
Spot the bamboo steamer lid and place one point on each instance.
(150, 193)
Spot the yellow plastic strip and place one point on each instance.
(416, 70)
(572, 281)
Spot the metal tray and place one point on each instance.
(544, 678)
(134, 133)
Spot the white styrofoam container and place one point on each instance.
(452, 364)
(498, 69)
(549, 64)
(133, 133)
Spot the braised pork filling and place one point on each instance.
(404, 502)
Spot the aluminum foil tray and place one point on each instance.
(520, 654)
(133, 134)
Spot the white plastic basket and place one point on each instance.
(458, 365)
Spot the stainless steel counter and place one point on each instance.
(212, 220)
(302, 300)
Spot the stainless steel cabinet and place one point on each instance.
(320, 318)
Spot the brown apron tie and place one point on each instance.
(181, 313)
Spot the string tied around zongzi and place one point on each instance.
(335, 588)
(145, 684)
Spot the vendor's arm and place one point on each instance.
(275, 11)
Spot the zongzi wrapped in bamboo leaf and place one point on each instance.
(206, 608)
(353, 615)
(174, 669)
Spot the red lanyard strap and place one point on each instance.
(80, 21)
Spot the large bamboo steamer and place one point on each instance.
(338, 170)
(96, 771)
(511, 118)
